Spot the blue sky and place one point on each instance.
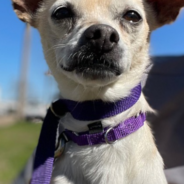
(169, 40)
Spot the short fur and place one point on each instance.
(134, 159)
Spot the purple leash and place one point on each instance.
(85, 111)
(44, 157)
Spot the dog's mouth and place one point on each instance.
(94, 65)
(97, 69)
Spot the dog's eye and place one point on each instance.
(62, 13)
(132, 16)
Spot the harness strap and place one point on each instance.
(109, 135)
(44, 157)
(86, 111)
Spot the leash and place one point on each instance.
(84, 111)
(44, 157)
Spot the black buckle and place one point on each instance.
(95, 127)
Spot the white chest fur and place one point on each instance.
(132, 160)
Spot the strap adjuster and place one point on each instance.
(95, 127)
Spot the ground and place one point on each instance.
(17, 143)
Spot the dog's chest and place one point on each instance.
(87, 165)
(124, 162)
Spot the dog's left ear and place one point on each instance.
(166, 10)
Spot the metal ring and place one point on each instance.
(60, 149)
(52, 110)
(106, 139)
(61, 145)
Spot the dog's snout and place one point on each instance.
(101, 37)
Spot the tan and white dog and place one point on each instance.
(119, 31)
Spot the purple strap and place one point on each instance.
(97, 110)
(86, 111)
(121, 130)
(43, 163)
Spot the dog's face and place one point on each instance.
(96, 43)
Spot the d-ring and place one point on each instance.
(106, 138)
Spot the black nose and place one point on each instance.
(101, 37)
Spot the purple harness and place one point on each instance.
(84, 111)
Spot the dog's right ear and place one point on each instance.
(166, 11)
(26, 9)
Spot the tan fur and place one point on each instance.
(166, 12)
(90, 6)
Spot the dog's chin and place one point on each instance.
(94, 74)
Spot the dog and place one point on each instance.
(98, 50)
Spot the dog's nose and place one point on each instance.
(101, 37)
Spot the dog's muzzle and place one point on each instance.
(97, 53)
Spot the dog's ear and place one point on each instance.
(26, 9)
(166, 10)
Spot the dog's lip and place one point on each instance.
(101, 67)
(96, 66)
(86, 66)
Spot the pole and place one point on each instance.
(22, 92)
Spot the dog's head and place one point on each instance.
(96, 47)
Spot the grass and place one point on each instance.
(17, 143)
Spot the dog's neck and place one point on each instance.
(80, 124)
(96, 110)
(110, 93)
